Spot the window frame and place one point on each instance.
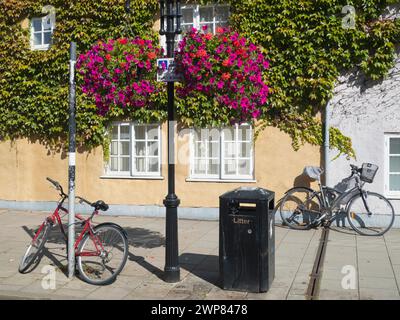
(222, 176)
(132, 173)
(33, 32)
(389, 193)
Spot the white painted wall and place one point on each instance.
(365, 110)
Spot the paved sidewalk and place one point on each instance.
(370, 265)
(198, 243)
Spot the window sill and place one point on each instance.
(43, 48)
(221, 180)
(132, 177)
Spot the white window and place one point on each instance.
(212, 16)
(222, 154)
(135, 150)
(392, 171)
(41, 33)
(196, 16)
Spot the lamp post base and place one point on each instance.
(171, 269)
(172, 274)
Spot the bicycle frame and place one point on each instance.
(329, 209)
(87, 228)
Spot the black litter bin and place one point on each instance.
(247, 239)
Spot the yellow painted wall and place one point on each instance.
(25, 165)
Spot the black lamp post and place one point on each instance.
(170, 25)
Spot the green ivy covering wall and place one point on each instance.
(308, 48)
(34, 84)
(305, 41)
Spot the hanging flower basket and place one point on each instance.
(225, 68)
(120, 73)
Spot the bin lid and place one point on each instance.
(249, 193)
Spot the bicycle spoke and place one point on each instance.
(111, 260)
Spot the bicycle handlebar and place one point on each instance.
(83, 200)
(57, 186)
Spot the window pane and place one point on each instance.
(152, 148)
(230, 150)
(37, 39)
(394, 182)
(140, 132)
(124, 164)
(152, 132)
(206, 14)
(47, 38)
(114, 164)
(37, 24)
(114, 133)
(244, 149)
(394, 164)
(114, 148)
(187, 15)
(124, 132)
(140, 165)
(124, 148)
(230, 167)
(221, 13)
(244, 133)
(221, 24)
(213, 150)
(46, 23)
(187, 27)
(200, 166)
(140, 148)
(213, 166)
(229, 134)
(394, 145)
(244, 167)
(199, 149)
(153, 165)
(213, 134)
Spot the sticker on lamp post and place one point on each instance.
(166, 70)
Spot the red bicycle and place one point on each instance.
(101, 251)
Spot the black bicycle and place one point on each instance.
(368, 213)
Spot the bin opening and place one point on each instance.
(247, 206)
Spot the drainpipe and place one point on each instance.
(326, 143)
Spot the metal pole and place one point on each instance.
(71, 163)
(327, 143)
(171, 201)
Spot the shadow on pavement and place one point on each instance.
(137, 237)
(203, 266)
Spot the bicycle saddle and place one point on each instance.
(313, 172)
(100, 205)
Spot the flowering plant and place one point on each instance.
(225, 68)
(120, 73)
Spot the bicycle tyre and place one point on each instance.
(295, 195)
(30, 255)
(354, 218)
(82, 265)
